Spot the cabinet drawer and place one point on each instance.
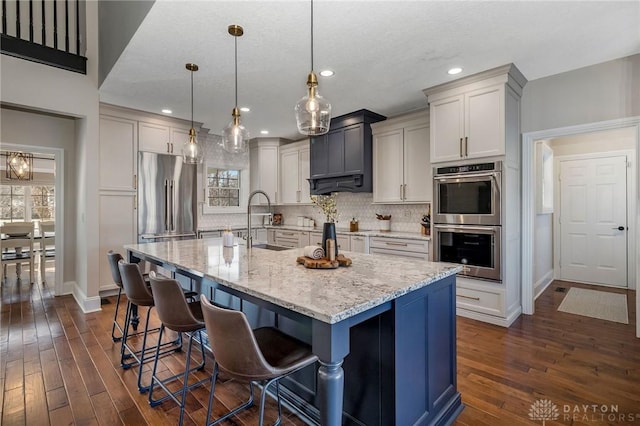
(281, 233)
(412, 254)
(416, 246)
(286, 242)
(485, 301)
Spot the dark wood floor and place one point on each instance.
(59, 366)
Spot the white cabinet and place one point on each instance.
(288, 238)
(294, 172)
(343, 241)
(401, 165)
(263, 163)
(162, 138)
(359, 243)
(118, 226)
(405, 247)
(467, 116)
(118, 146)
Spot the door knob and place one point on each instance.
(619, 228)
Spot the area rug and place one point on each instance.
(596, 304)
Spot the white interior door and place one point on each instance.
(593, 206)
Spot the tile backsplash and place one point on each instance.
(404, 217)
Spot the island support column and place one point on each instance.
(331, 345)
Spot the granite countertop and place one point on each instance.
(329, 295)
(365, 233)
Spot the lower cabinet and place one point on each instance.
(118, 226)
(343, 241)
(292, 239)
(359, 243)
(400, 247)
(481, 297)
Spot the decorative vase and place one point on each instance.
(329, 231)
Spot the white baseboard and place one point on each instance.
(87, 304)
(66, 288)
(542, 284)
(501, 321)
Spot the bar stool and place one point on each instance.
(139, 294)
(264, 355)
(181, 316)
(114, 258)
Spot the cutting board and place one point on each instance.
(324, 263)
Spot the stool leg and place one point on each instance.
(155, 366)
(115, 319)
(185, 383)
(141, 388)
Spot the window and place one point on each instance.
(225, 189)
(23, 203)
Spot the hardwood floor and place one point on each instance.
(59, 366)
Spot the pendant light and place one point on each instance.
(192, 152)
(235, 137)
(19, 166)
(313, 112)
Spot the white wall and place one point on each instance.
(40, 130)
(38, 87)
(596, 93)
(611, 140)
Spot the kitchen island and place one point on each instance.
(391, 321)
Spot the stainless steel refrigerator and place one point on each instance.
(166, 198)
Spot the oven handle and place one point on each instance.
(465, 176)
(490, 229)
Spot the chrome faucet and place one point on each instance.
(249, 237)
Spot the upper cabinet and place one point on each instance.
(341, 159)
(118, 145)
(294, 173)
(401, 166)
(263, 154)
(161, 138)
(468, 116)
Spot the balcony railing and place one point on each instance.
(51, 32)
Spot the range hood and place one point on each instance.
(341, 160)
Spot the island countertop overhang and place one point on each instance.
(329, 296)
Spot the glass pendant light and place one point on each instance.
(313, 112)
(235, 138)
(191, 151)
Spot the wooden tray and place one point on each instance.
(324, 263)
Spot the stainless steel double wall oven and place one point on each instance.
(467, 218)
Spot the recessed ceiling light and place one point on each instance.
(264, 132)
(167, 111)
(245, 109)
(454, 71)
(326, 73)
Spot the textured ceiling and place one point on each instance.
(383, 52)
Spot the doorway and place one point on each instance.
(592, 220)
(38, 199)
(528, 200)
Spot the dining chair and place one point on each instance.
(18, 247)
(178, 315)
(47, 240)
(264, 355)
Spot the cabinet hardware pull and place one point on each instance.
(135, 182)
(318, 244)
(135, 202)
(404, 191)
(460, 147)
(288, 233)
(467, 297)
(396, 244)
(168, 148)
(466, 146)
(401, 191)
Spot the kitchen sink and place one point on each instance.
(270, 247)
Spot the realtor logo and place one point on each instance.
(543, 409)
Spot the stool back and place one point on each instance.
(172, 307)
(234, 346)
(134, 285)
(114, 258)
